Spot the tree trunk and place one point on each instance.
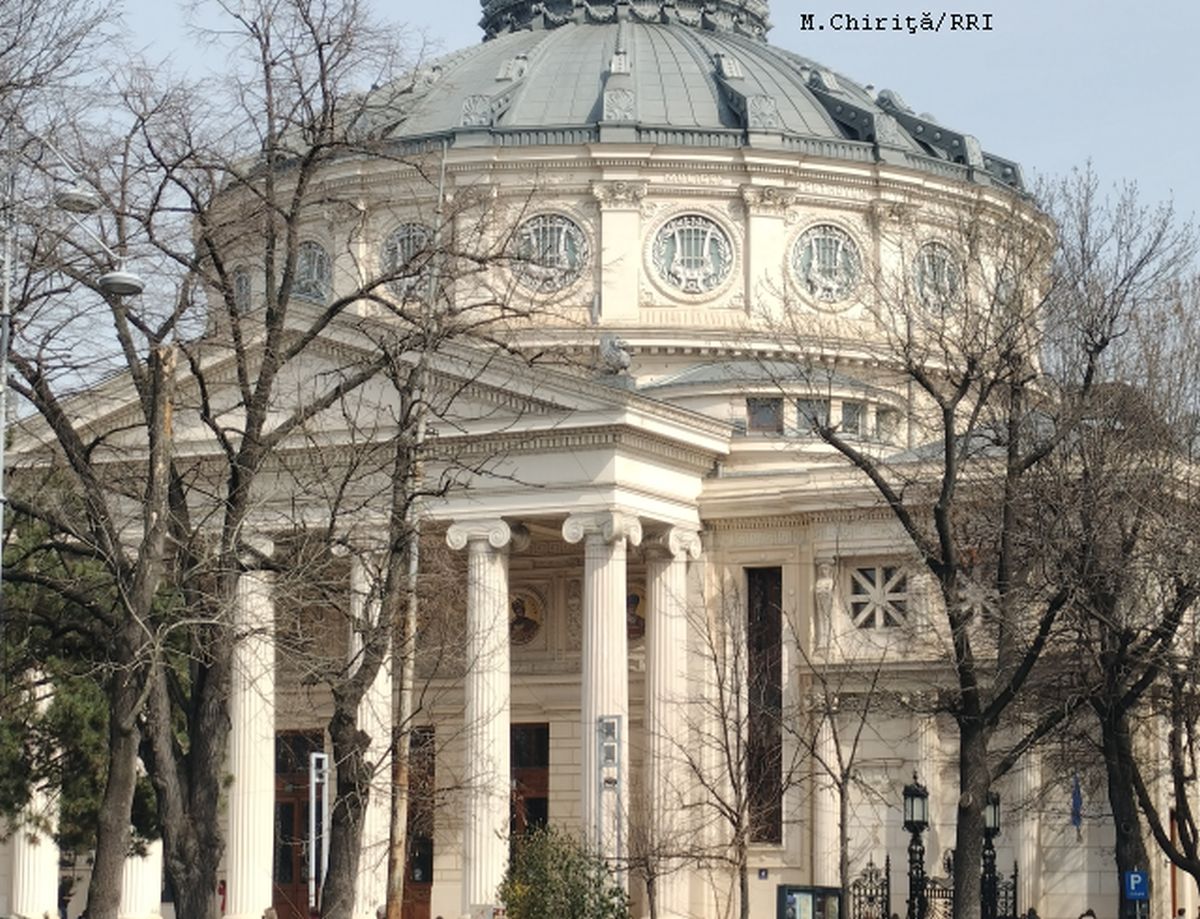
(195, 898)
(113, 829)
(1131, 852)
(844, 839)
(349, 805)
(968, 840)
(741, 846)
(189, 784)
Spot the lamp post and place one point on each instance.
(991, 829)
(75, 200)
(916, 820)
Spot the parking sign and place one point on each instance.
(1137, 885)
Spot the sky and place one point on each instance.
(1054, 84)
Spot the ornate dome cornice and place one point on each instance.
(743, 17)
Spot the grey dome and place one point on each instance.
(667, 72)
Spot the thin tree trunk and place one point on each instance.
(353, 793)
(974, 780)
(1130, 850)
(113, 835)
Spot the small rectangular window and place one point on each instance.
(854, 419)
(811, 414)
(887, 425)
(764, 416)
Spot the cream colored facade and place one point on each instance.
(654, 468)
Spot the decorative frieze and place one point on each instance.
(773, 200)
(619, 192)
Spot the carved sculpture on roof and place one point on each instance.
(762, 112)
(618, 105)
(476, 111)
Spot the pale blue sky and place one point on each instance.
(1054, 83)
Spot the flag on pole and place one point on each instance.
(1077, 806)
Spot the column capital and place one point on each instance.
(678, 543)
(610, 526)
(498, 533)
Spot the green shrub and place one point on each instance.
(552, 876)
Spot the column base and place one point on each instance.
(485, 911)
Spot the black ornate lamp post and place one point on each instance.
(916, 820)
(991, 829)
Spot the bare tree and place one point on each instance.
(737, 765)
(227, 348)
(1125, 513)
(1000, 335)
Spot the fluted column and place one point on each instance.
(666, 687)
(605, 690)
(929, 769)
(141, 884)
(34, 852)
(826, 808)
(251, 843)
(489, 776)
(375, 718)
(1027, 786)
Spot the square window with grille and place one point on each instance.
(811, 414)
(878, 596)
(764, 416)
(854, 419)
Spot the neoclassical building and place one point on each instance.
(661, 563)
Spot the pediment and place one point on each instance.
(473, 394)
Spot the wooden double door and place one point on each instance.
(529, 809)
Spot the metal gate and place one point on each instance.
(871, 892)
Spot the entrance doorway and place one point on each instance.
(290, 891)
(418, 879)
(530, 806)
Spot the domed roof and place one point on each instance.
(695, 73)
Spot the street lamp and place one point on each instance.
(916, 820)
(75, 200)
(991, 829)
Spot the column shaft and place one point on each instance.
(375, 718)
(141, 884)
(605, 689)
(35, 861)
(488, 770)
(34, 852)
(827, 832)
(250, 846)
(929, 768)
(1026, 788)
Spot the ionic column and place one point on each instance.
(605, 690)
(666, 687)
(141, 884)
(485, 833)
(34, 853)
(375, 718)
(826, 808)
(1027, 785)
(251, 843)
